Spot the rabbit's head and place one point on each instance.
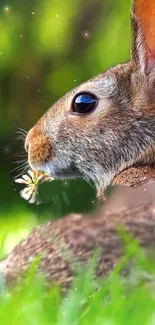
(106, 124)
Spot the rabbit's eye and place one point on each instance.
(84, 103)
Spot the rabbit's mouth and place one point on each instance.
(57, 170)
(42, 158)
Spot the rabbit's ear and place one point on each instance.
(143, 23)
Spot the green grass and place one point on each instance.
(115, 300)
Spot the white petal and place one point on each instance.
(26, 193)
(33, 198)
(51, 179)
(27, 178)
(47, 179)
(20, 180)
(44, 178)
(39, 201)
(30, 172)
(36, 174)
(41, 178)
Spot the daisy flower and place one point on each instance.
(32, 181)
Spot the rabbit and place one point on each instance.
(67, 244)
(103, 131)
(106, 125)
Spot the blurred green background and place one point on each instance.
(46, 48)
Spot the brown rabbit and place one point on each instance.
(107, 124)
(67, 243)
(104, 131)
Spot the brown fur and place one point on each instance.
(115, 143)
(135, 176)
(65, 244)
(119, 133)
